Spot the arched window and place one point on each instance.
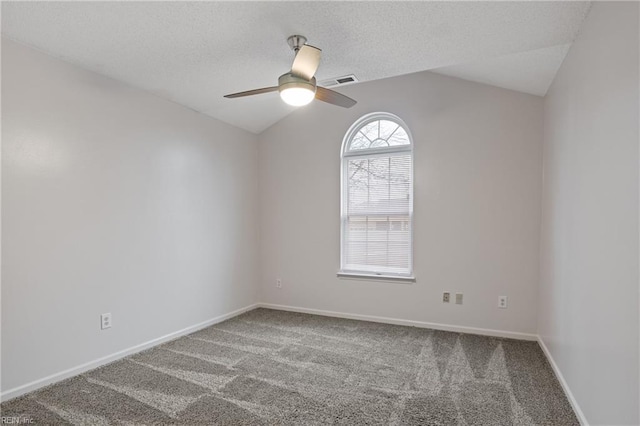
(377, 198)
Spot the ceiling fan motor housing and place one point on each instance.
(289, 81)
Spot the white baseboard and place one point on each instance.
(74, 371)
(565, 387)
(421, 324)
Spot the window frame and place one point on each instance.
(345, 156)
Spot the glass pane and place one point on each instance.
(378, 243)
(359, 141)
(358, 185)
(370, 131)
(379, 185)
(399, 137)
(387, 128)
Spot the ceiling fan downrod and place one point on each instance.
(296, 42)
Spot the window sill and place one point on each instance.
(376, 277)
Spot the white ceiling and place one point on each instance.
(193, 53)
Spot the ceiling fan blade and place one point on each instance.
(252, 92)
(333, 97)
(306, 62)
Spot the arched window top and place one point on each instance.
(379, 131)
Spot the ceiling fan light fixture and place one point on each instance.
(296, 91)
(297, 96)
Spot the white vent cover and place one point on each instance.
(338, 81)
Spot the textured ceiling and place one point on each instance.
(195, 52)
(528, 72)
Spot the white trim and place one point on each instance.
(388, 152)
(411, 323)
(376, 277)
(565, 386)
(74, 371)
(377, 152)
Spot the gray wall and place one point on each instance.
(116, 201)
(588, 305)
(478, 153)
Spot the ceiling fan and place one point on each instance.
(298, 87)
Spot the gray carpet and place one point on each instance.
(273, 367)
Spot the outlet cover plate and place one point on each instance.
(105, 321)
(458, 298)
(502, 302)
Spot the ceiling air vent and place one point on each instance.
(338, 81)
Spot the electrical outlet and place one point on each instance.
(446, 297)
(458, 298)
(502, 302)
(105, 321)
(278, 283)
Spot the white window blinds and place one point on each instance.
(377, 200)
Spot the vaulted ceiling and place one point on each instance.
(193, 53)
